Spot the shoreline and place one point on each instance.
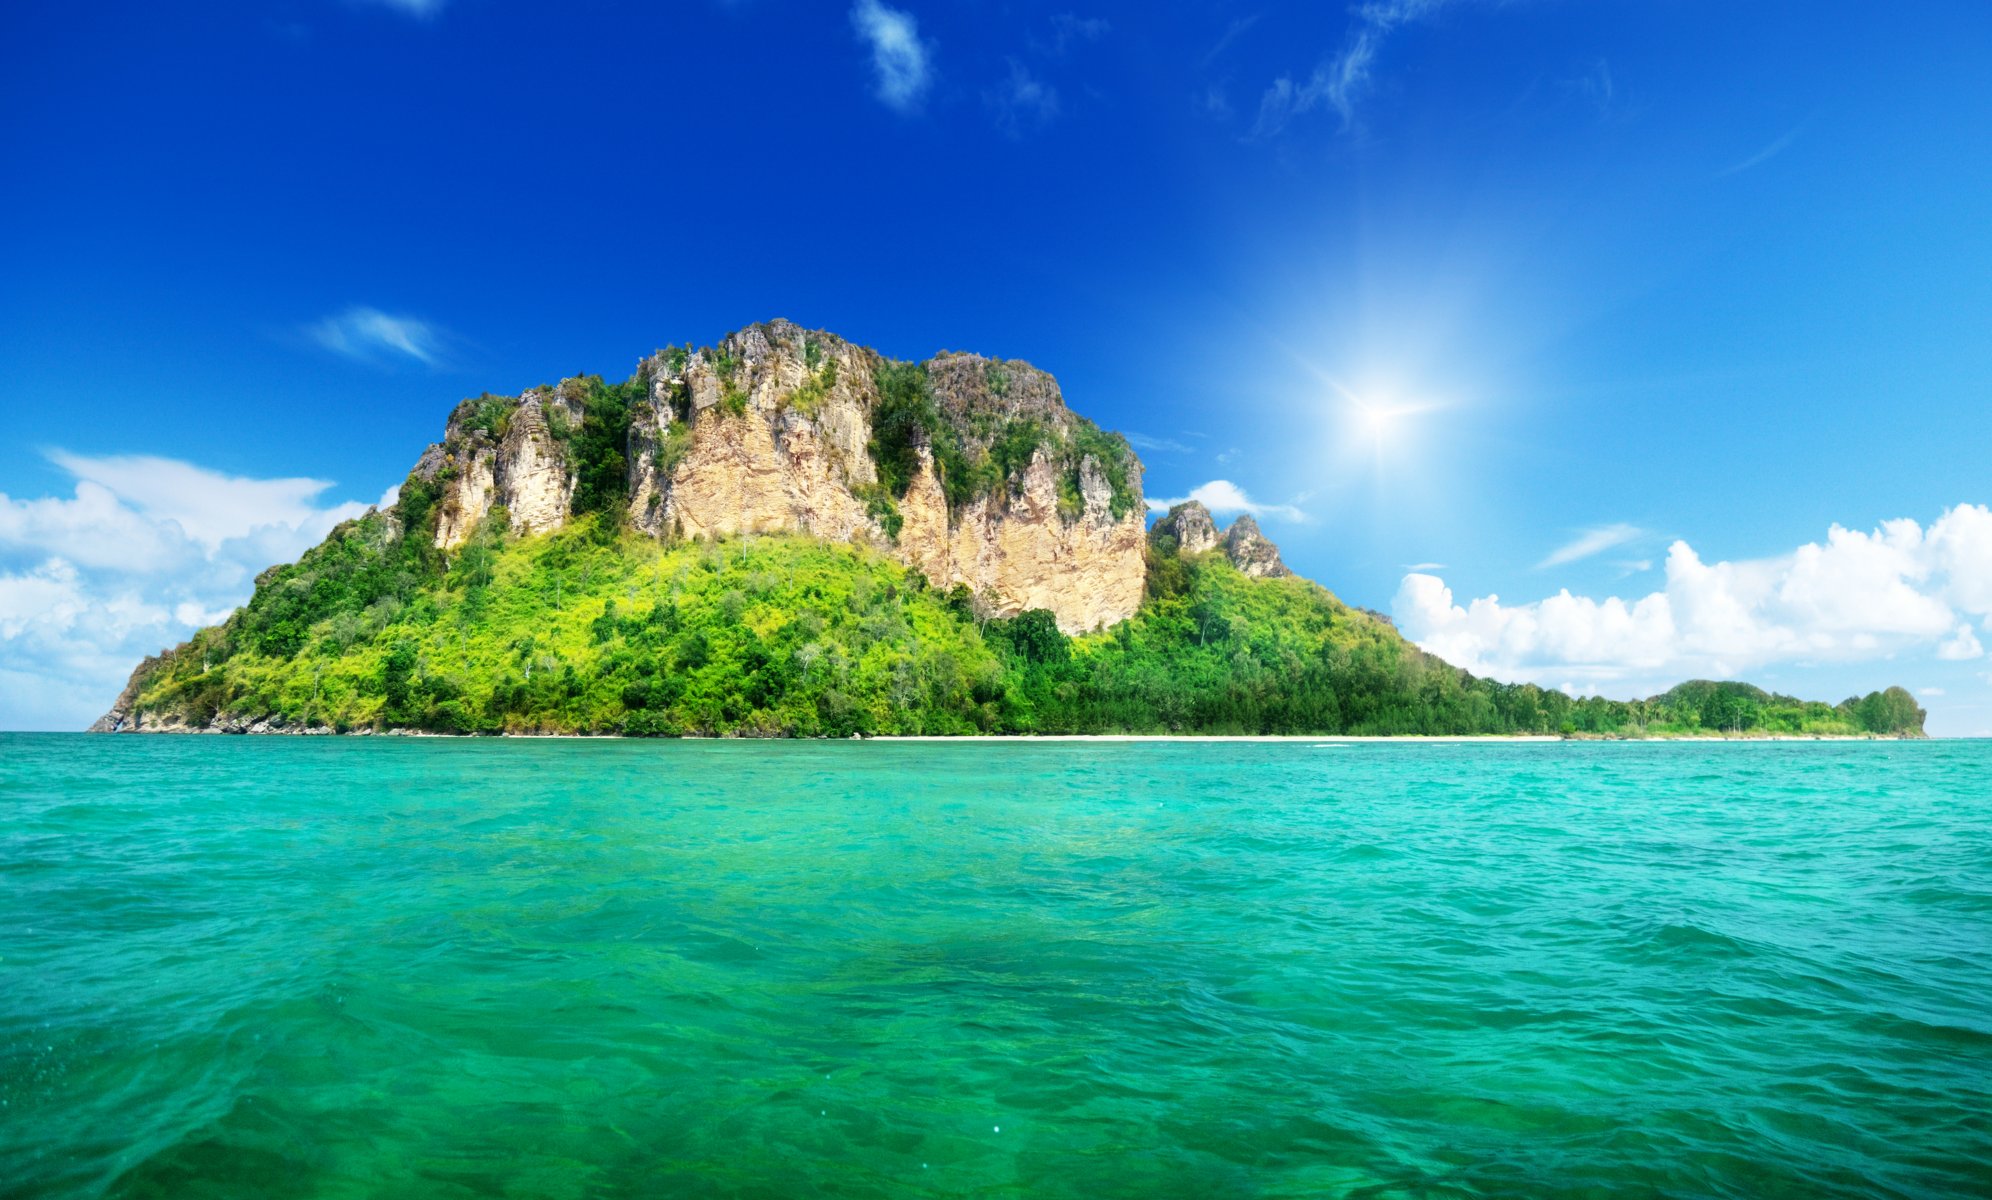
(1026, 738)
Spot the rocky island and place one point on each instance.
(787, 534)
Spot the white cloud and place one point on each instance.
(1590, 542)
(145, 552)
(1961, 646)
(900, 63)
(1222, 496)
(1930, 691)
(1341, 79)
(206, 506)
(1023, 103)
(1856, 596)
(1425, 566)
(370, 335)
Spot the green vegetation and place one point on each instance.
(726, 365)
(597, 447)
(610, 632)
(808, 399)
(569, 633)
(907, 417)
(492, 414)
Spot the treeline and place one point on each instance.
(592, 630)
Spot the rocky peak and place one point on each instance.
(1190, 527)
(1190, 524)
(968, 468)
(1251, 551)
(978, 395)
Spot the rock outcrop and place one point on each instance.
(775, 430)
(498, 453)
(121, 718)
(1190, 527)
(1251, 551)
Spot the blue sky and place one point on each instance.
(1651, 296)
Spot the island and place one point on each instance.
(789, 535)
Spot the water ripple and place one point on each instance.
(239, 967)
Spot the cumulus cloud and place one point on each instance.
(370, 335)
(1023, 103)
(1898, 589)
(1222, 496)
(901, 68)
(144, 552)
(1590, 542)
(1340, 80)
(1961, 646)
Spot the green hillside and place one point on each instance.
(596, 630)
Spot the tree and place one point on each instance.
(1036, 637)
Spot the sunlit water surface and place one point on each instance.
(261, 967)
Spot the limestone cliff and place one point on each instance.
(499, 453)
(1192, 531)
(994, 483)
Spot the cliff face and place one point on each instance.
(512, 458)
(779, 429)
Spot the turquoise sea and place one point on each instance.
(244, 967)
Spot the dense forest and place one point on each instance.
(593, 629)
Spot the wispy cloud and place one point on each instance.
(1595, 87)
(1765, 155)
(1068, 30)
(1424, 566)
(370, 335)
(1023, 103)
(143, 552)
(1590, 542)
(419, 9)
(1340, 80)
(1222, 496)
(1141, 441)
(901, 67)
(1232, 33)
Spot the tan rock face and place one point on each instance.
(1190, 524)
(768, 442)
(527, 470)
(468, 496)
(768, 433)
(1018, 552)
(535, 482)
